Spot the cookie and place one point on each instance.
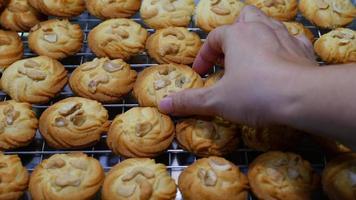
(138, 178)
(279, 175)
(328, 13)
(174, 45)
(283, 10)
(18, 124)
(140, 132)
(156, 82)
(57, 8)
(14, 177)
(113, 8)
(103, 80)
(210, 14)
(339, 177)
(213, 178)
(207, 137)
(66, 176)
(270, 138)
(11, 48)
(34, 80)
(297, 29)
(159, 14)
(56, 38)
(337, 46)
(20, 16)
(330, 146)
(117, 38)
(213, 78)
(74, 122)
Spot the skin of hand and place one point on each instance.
(270, 77)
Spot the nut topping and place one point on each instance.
(208, 177)
(161, 83)
(121, 32)
(180, 81)
(31, 64)
(3, 165)
(67, 180)
(10, 114)
(126, 190)
(322, 4)
(149, 13)
(33, 74)
(50, 37)
(271, 3)
(138, 171)
(90, 65)
(79, 164)
(100, 79)
(112, 67)
(174, 32)
(214, 2)
(145, 188)
(70, 108)
(55, 163)
(143, 128)
(169, 49)
(60, 122)
(219, 166)
(78, 119)
(220, 10)
(293, 173)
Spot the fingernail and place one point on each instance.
(166, 105)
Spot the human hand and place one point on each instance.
(262, 62)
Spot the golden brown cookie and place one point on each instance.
(117, 38)
(283, 10)
(330, 146)
(270, 138)
(66, 176)
(296, 29)
(138, 178)
(108, 9)
(14, 177)
(140, 132)
(159, 14)
(207, 137)
(211, 179)
(210, 14)
(56, 38)
(18, 124)
(156, 82)
(61, 8)
(11, 48)
(103, 79)
(213, 78)
(34, 80)
(337, 46)
(279, 175)
(20, 16)
(339, 177)
(328, 13)
(74, 122)
(174, 45)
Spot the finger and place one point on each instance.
(308, 46)
(190, 102)
(210, 51)
(253, 14)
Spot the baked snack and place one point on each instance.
(156, 82)
(270, 138)
(103, 79)
(279, 175)
(61, 8)
(138, 178)
(283, 10)
(330, 146)
(162, 14)
(337, 46)
(56, 38)
(140, 132)
(204, 138)
(18, 124)
(296, 29)
(34, 80)
(328, 13)
(339, 177)
(113, 8)
(14, 177)
(74, 122)
(20, 16)
(213, 178)
(174, 45)
(210, 14)
(11, 48)
(66, 176)
(213, 78)
(117, 38)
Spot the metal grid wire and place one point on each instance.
(174, 158)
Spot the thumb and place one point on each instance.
(200, 101)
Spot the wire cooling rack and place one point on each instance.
(174, 158)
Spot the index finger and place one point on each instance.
(211, 50)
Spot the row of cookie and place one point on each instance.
(272, 175)
(20, 15)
